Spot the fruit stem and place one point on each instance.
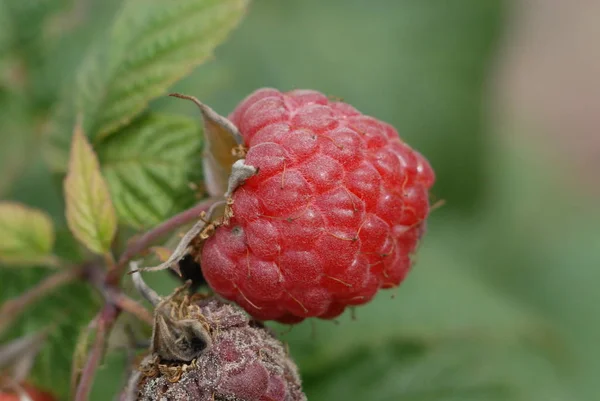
(183, 247)
(147, 239)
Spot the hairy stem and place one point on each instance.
(147, 239)
(114, 295)
(129, 305)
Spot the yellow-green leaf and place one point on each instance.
(27, 234)
(90, 211)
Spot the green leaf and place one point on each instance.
(26, 44)
(14, 146)
(63, 312)
(147, 167)
(17, 141)
(89, 209)
(26, 19)
(151, 45)
(27, 235)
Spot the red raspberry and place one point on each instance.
(334, 213)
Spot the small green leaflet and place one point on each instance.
(147, 166)
(89, 210)
(27, 235)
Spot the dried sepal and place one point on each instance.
(222, 146)
(177, 337)
(184, 245)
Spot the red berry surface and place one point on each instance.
(334, 213)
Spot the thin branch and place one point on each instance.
(129, 305)
(183, 247)
(82, 342)
(114, 295)
(116, 301)
(52, 262)
(109, 260)
(13, 307)
(146, 240)
(106, 319)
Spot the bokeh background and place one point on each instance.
(503, 98)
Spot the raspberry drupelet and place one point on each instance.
(334, 212)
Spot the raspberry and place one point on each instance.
(336, 209)
(205, 349)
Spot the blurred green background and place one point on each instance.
(502, 303)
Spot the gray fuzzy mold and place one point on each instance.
(241, 361)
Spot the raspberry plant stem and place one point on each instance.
(106, 319)
(113, 295)
(124, 303)
(143, 242)
(115, 300)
